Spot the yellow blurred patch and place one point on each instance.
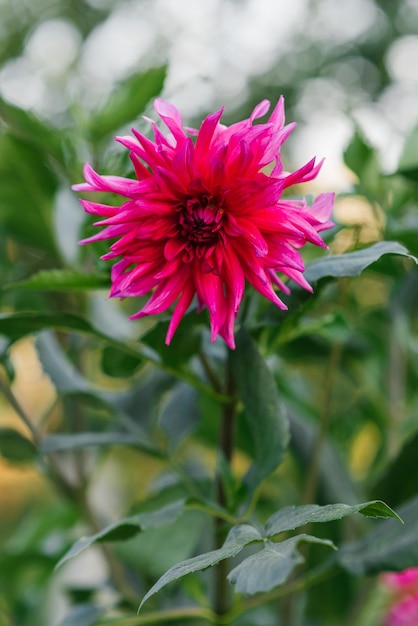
(364, 449)
(35, 394)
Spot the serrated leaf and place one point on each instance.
(388, 547)
(15, 447)
(127, 101)
(292, 517)
(271, 566)
(266, 420)
(352, 263)
(238, 538)
(127, 528)
(61, 280)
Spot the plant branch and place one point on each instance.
(162, 617)
(226, 448)
(325, 417)
(73, 493)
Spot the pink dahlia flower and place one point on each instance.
(204, 216)
(402, 580)
(404, 610)
(404, 613)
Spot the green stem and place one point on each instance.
(226, 445)
(324, 421)
(163, 617)
(11, 398)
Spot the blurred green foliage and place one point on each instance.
(127, 443)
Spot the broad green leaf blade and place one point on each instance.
(127, 528)
(352, 263)
(266, 420)
(271, 566)
(127, 102)
(238, 538)
(69, 381)
(292, 517)
(63, 374)
(388, 547)
(180, 414)
(15, 447)
(61, 280)
(78, 441)
(17, 325)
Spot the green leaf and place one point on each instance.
(69, 381)
(27, 193)
(127, 528)
(271, 566)
(267, 422)
(61, 280)
(185, 344)
(15, 447)
(408, 163)
(293, 517)
(362, 159)
(358, 154)
(353, 263)
(152, 553)
(238, 538)
(26, 126)
(127, 102)
(59, 443)
(180, 414)
(389, 546)
(118, 364)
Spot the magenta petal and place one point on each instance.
(260, 110)
(181, 308)
(204, 218)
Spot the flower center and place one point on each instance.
(200, 219)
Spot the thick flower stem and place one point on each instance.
(226, 447)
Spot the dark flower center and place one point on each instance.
(200, 219)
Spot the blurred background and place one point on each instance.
(344, 68)
(338, 64)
